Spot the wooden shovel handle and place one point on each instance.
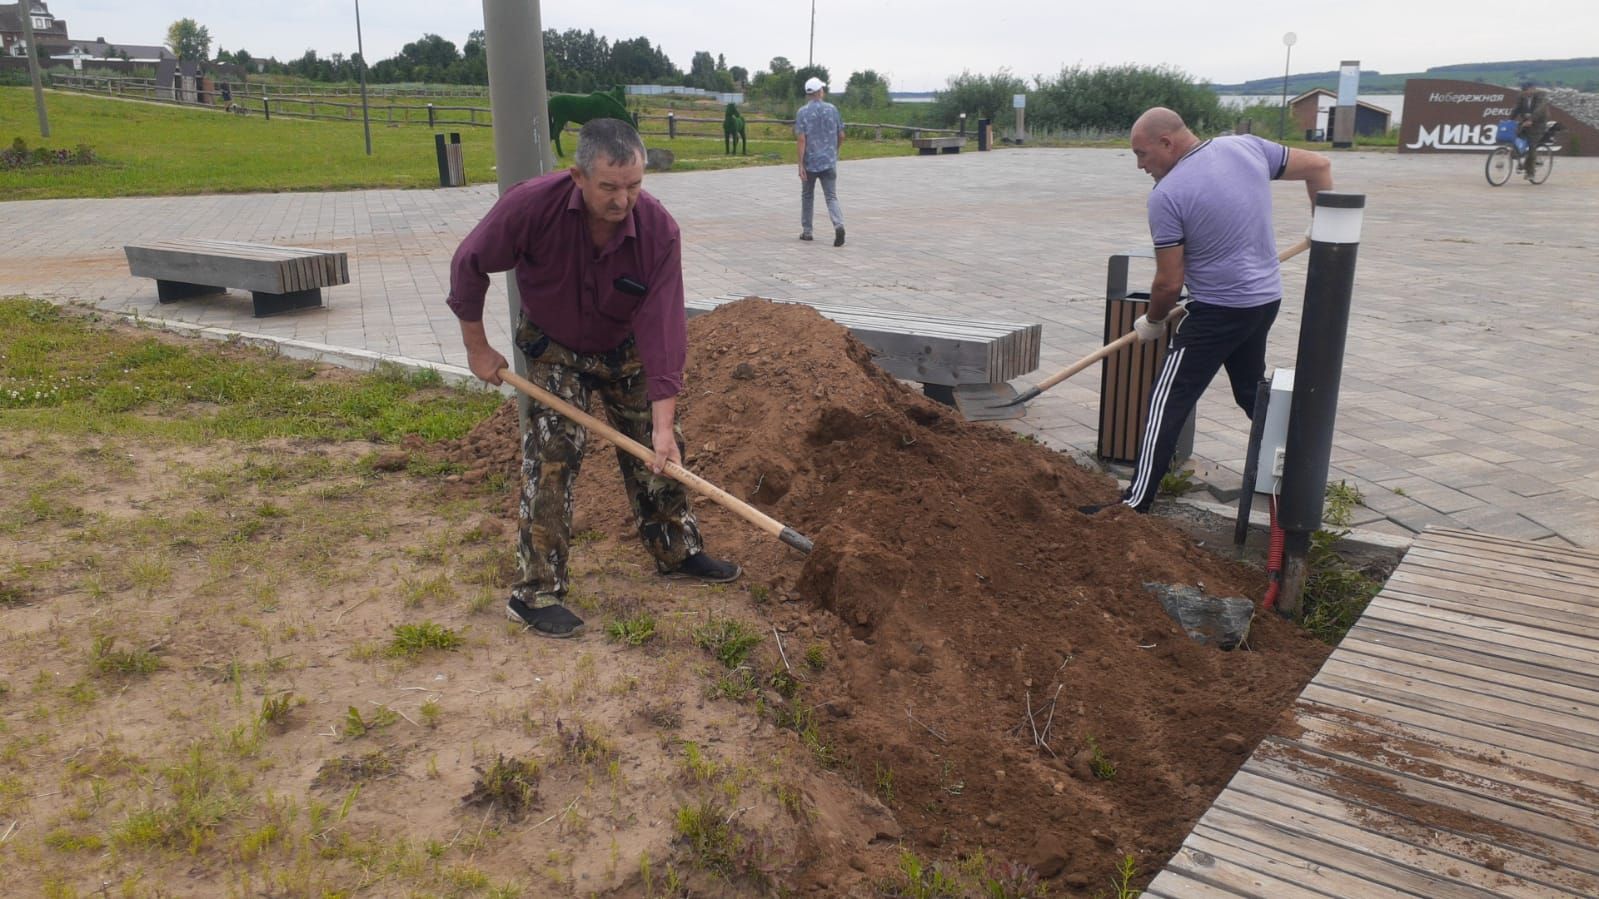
(673, 470)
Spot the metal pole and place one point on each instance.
(810, 55)
(366, 121)
(1324, 326)
(1282, 119)
(25, 9)
(1289, 40)
(514, 43)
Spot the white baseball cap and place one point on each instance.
(812, 85)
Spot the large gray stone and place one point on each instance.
(657, 160)
(1221, 621)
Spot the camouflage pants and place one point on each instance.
(552, 453)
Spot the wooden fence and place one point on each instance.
(258, 99)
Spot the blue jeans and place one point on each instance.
(829, 179)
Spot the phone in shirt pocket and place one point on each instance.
(631, 287)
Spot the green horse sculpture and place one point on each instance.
(579, 108)
(733, 131)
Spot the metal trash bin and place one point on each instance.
(452, 168)
(1127, 377)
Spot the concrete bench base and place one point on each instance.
(929, 146)
(943, 354)
(280, 279)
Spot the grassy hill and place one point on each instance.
(1581, 73)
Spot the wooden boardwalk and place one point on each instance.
(1448, 748)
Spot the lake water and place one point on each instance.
(1394, 103)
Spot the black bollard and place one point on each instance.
(1323, 329)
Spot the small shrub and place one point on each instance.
(710, 838)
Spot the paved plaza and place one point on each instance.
(1468, 399)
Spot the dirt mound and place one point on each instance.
(958, 588)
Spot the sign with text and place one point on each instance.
(1454, 116)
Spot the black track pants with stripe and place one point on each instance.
(1208, 338)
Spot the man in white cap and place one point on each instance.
(819, 129)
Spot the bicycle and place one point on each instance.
(1513, 155)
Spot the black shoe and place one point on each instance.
(838, 236)
(547, 621)
(702, 567)
(806, 236)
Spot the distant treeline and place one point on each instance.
(1581, 73)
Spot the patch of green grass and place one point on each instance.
(1177, 482)
(738, 685)
(415, 639)
(63, 840)
(816, 657)
(633, 630)
(712, 842)
(133, 141)
(275, 709)
(728, 639)
(107, 661)
(68, 374)
(200, 795)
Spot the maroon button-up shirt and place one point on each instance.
(568, 286)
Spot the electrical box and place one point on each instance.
(1274, 439)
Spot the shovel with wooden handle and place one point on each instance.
(1117, 344)
(673, 470)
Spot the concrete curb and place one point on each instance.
(1260, 519)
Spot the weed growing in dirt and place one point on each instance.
(275, 709)
(712, 841)
(738, 685)
(884, 780)
(1099, 763)
(508, 785)
(415, 639)
(1122, 883)
(109, 662)
(1177, 482)
(633, 630)
(729, 639)
(430, 712)
(357, 726)
(816, 657)
(975, 877)
(581, 744)
(699, 768)
(802, 719)
(1335, 592)
(11, 596)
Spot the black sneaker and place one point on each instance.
(806, 236)
(547, 621)
(702, 567)
(838, 236)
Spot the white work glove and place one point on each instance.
(1147, 330)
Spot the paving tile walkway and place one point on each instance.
(1469, 398)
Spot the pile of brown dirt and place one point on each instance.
(958, 587)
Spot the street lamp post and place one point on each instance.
(1282, 120)
(360, 50)
(810, 56)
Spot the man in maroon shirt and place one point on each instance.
(599, 266)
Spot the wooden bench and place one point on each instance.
(279, 278)
(929, 146)
(944, 354)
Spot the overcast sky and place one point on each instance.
(918, 45)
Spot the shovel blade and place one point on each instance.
(988, 402)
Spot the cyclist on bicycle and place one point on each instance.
(1531, 115)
